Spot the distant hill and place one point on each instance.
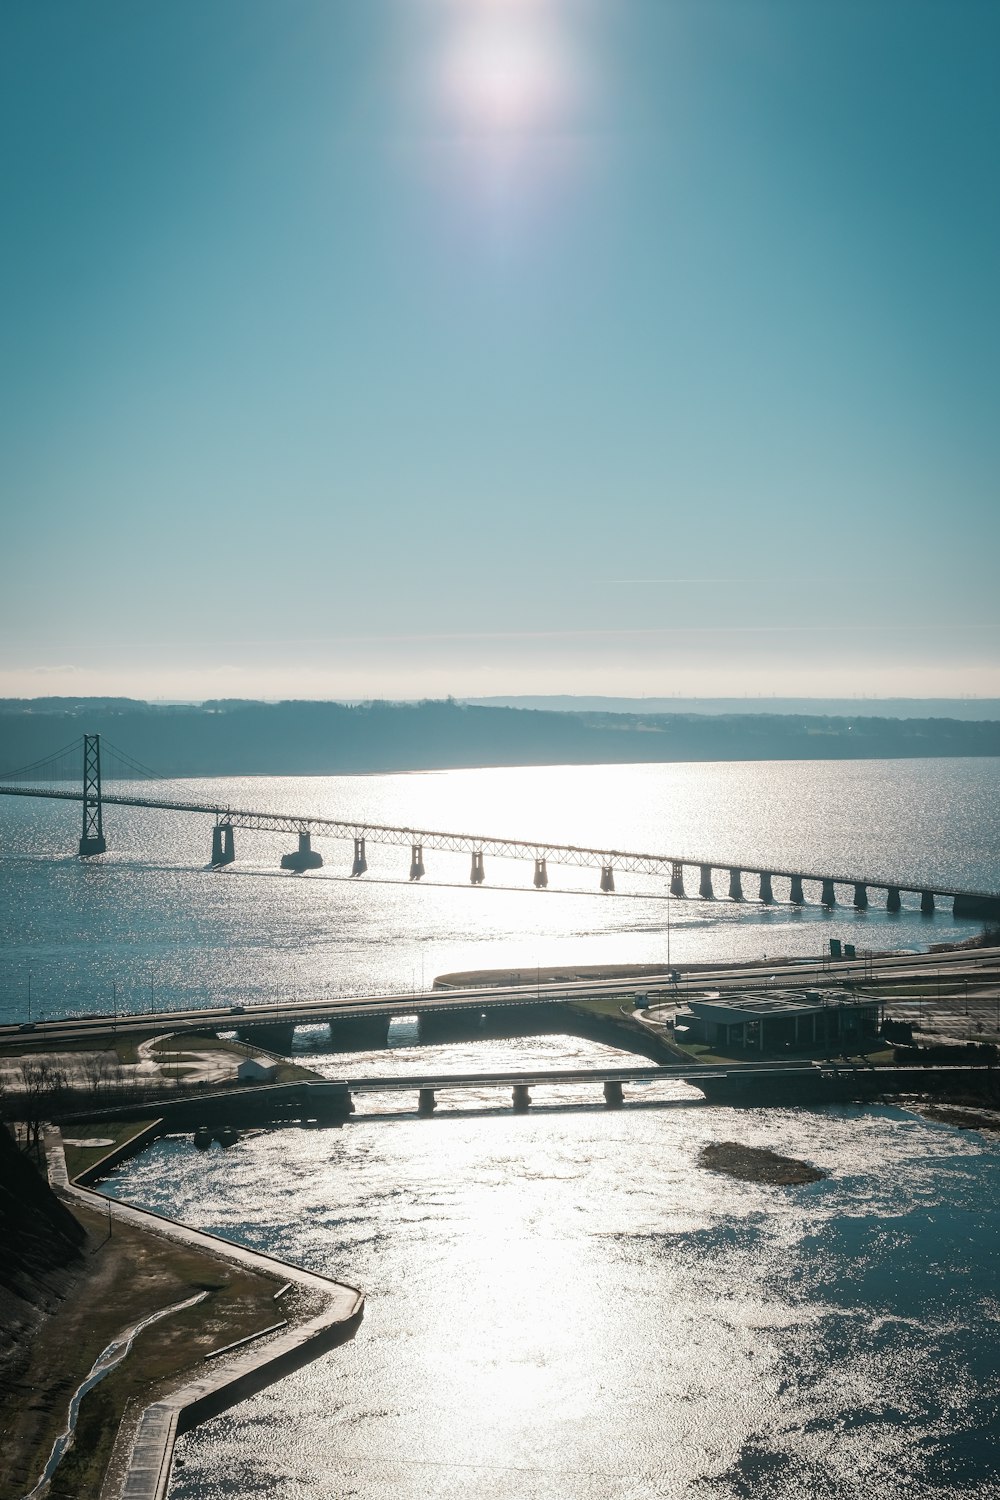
(307, 738)
(967, 709)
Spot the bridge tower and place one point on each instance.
(92, 840)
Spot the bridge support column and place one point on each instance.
(795, 895)
(359, 1033)
(522, 1098)
(892, 899)
(766, 893)
(829, 896)
(304, 858)
(705, 884)
(427, 1103)
(360, 864)
(736, 885)
(541, 875)
(417, 862)
(92, 839)
(676, 878)
(977, 906)
(607, 878)
(613, 1096)
(478, 874)
(860, 896)
(276, 1038)
(927, 903)
(223, 844)
(449, 1025)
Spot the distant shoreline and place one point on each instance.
(326, 739)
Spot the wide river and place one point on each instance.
(562, 1304)
(148, 924)
(565, 1305)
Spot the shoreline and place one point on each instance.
(141, 1457)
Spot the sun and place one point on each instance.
(505, 68)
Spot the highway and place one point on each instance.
(976, 969)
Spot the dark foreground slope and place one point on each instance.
(40, 1248)
(234, 738)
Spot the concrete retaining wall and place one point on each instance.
(136, 1143)
(146, 1453)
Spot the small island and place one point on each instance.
(754, 1164)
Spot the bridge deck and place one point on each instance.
(567, 854)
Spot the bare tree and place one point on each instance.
(41, 1084)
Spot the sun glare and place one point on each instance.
(506, 68)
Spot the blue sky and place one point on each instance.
(405, 347)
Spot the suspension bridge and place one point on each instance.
(81, 764)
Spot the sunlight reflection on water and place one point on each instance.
(565, 1305)
(151, 920)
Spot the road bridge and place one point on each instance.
(742, 1084)
(855, 887)
(363, 1021)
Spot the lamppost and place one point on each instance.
(29, 997)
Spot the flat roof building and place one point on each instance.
(776, 1020)
(251, 1070)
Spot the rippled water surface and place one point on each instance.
(561, 1304)
(565, 1305)
(147, 924)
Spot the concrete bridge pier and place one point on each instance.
(676, 878)
(927, 903)
(522, 1098)
(607, 878)
(541, 875)
(478, 874)
(417, 862)
(360, 864)
(426, 1103)
(223, 844)
(893, 901)
(795, 895)
(860, 896)
(452, 1025)
(330, 1105)
(303, 858)
(359, 1033)
(736, 885)
(705, 884)
(614, 1098)
(829, 896)
(987, 907)
(766, 893)
(274, 1038)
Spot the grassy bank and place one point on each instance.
(121, 1279)
(79, 1158)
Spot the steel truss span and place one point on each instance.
(628, 861)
